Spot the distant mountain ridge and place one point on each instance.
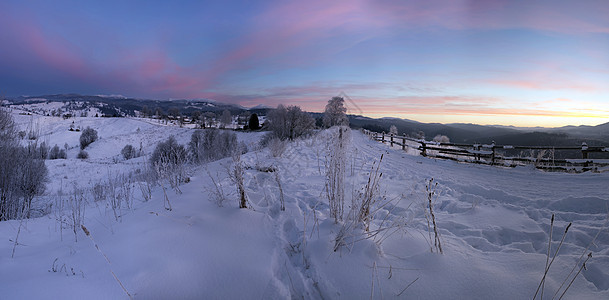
(505, 135)
(118, 105)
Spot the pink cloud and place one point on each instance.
(27, 37)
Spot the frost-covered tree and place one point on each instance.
(290, 123)
(393, 130)
(335, 113)
(88, 136)
(441, 139)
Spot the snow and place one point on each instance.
(494, 224)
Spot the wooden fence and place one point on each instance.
(569, 159)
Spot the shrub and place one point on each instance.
(213, 144)
(55, 152)
(169, 152)
(129, 152)
(196, 146)
(82, 154)
(87, 137)
(277, 147)
(336, 166)
(22, 173)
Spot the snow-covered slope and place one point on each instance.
(494, 225)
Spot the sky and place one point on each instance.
(522, 63)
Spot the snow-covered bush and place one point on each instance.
(167, 162)
(365, 200)
(336, 164)
(168, 151)
(290, 123)
(119, 194)
(129, 152)
(88, 136)
(212, 144)
(56, 153)
(277, 147)
(82, 154)
(236, 175)
(441, 139)
(216, 193)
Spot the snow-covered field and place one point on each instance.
(494, 225)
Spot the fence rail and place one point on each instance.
(542, 157)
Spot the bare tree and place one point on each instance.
(174, 112)
(335, 113)
(8, 130)
(22, 172)
(290, 123)
(209, 118)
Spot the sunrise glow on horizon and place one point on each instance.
(521, 63)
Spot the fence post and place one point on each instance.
(493, 153)
(584, 150)
(383, 137)
(403, 143)
(392, 140)
(423, 150)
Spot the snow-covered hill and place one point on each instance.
(494, 226)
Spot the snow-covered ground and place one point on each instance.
(494, 225)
